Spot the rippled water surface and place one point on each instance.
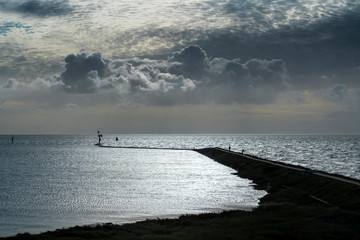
(49, 182)
(334, 154)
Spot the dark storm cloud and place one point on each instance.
(315, 39)
(82, 70)
(190, 56)
(188, 62)
(38, 8)
(325, 46)
(187, 76)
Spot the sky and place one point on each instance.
(180, 67)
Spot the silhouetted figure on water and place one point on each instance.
(116, 139)
(99, 136)
(12, 139)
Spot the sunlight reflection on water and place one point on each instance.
(47, 184)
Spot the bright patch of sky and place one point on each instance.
(136, 27)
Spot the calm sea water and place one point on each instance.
(333, 154)
(49, 182)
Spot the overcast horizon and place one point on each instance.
(180, 67)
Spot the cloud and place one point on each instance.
(311, 36)
(338, 92)
(343, 95)
(71, 106)
(52, 83)
(39, 8)
(83, 71)
(191, 61)
(314, 39)
(20, 59)
(11, 84)
(259, 16)
(187, 76)
(6, 27)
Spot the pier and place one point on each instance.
(276, 177)
(154, 148)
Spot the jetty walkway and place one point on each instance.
(155, 148)
(296, 168)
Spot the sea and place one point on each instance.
(49, 182)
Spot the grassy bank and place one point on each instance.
(300, 205)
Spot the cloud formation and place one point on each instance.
(314, 38)
(338, 92)
(39, 8)
(310, 35)
(342, 94)
(187, 76)
(6, 27)
(83, 72)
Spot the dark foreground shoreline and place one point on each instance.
(300, 204)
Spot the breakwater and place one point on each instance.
(146, 148)
(276, 177)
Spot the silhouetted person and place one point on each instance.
(242, 151)
(229, 148)
(99, 136)
(12, 139)
(116, 139)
